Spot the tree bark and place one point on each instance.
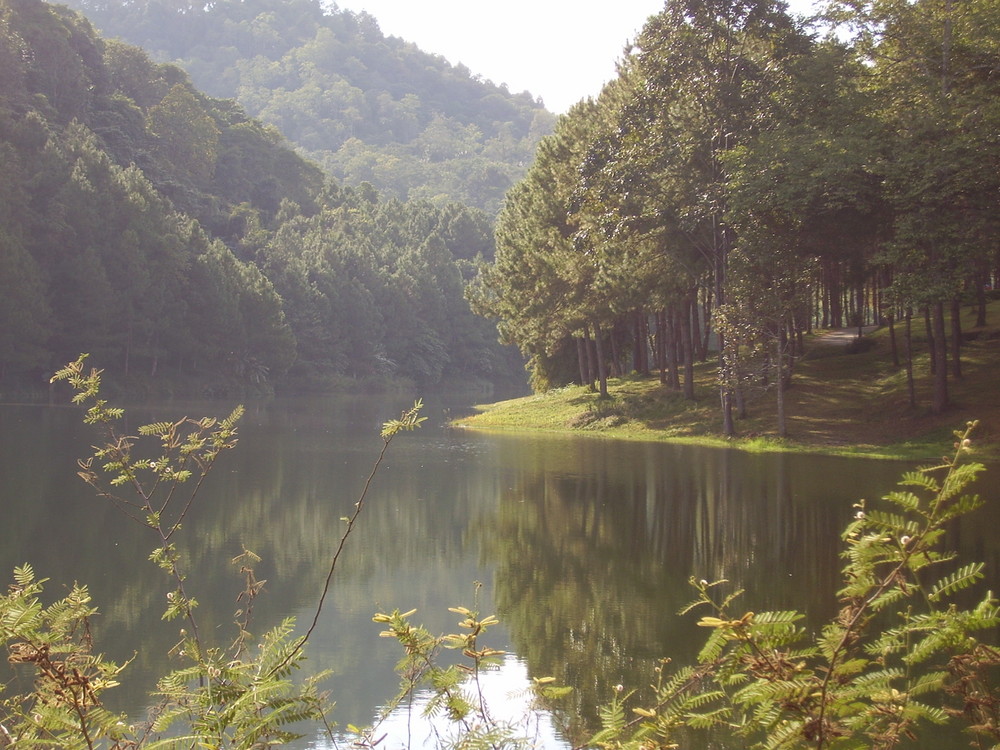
(640, 351)
(616, 364)
(908, 343)
(707, 333)
(930, 338)
(833, 291)
(940, 400)
(893, 349)
(982, 279)
(696, 327)
(581, 359)
(726, 399)
(591, 363)
(956, 338)
(661, 345)
(687, 347)
(602, 373)
(670, 341)
(780, 386)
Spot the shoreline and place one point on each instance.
(843, 401)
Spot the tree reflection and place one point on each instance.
(594, 544)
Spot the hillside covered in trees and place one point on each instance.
(365, 107)
(182, 243)
(745, 181)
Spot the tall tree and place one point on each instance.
(709, 72)
(934, 80)
(538, 282)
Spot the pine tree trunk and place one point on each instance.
(581, 359)
(833, 290)
(673, 381)
(661, 345)
(707, 333)
(640, 358)
(982, 279)
(894, 350)
(940, 400)
(930, 338)
(591, 363)
(616, 366)
(602, 373)
(687, 347)
(780, 387)
(908, 343)
(956, 338)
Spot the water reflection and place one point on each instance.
(584, 547)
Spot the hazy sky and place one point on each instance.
(560, 50)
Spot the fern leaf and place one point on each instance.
(714, 645)
(921, 478)
(928, 682)
(156, 428)
(906, 500)
(960, 579)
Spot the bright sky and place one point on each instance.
(560, 50)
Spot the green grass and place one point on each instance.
(842, 401)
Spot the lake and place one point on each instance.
(583, 547)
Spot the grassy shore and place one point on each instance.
(845, 398)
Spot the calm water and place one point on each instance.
(583, 547)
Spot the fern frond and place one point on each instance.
(958, 479)
(962, 578)
(906, 500)
(928, 682)
(964, 505)
(890, 596)
(915, 710)
(24, 575)
(922, 478)
(714, 646)
(156, 428)
(706, 720)
(893, 523)
(779, 690)
(694, 604)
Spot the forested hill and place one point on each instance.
(744, 181)
(184, 245)
(364, 106)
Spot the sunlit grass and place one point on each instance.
(840, 403)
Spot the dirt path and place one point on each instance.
(841, 336)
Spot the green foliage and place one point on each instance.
(746, 179)
(236, 696)
(155, 208)
(455, 691)
(366, 107)
(904, 650)
(875, 673)
(239, 703)
(63, 710)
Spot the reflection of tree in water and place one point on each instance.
(281, 493)
(594, 546)
(592, 542)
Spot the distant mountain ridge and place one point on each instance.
(189, 250)
(364, 106)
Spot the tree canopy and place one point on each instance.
(749, 177)
(363, 106)
(180, 241)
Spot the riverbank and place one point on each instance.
(846, 398)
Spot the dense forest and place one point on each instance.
(182, 243)
(747, 179)
(365, 107)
